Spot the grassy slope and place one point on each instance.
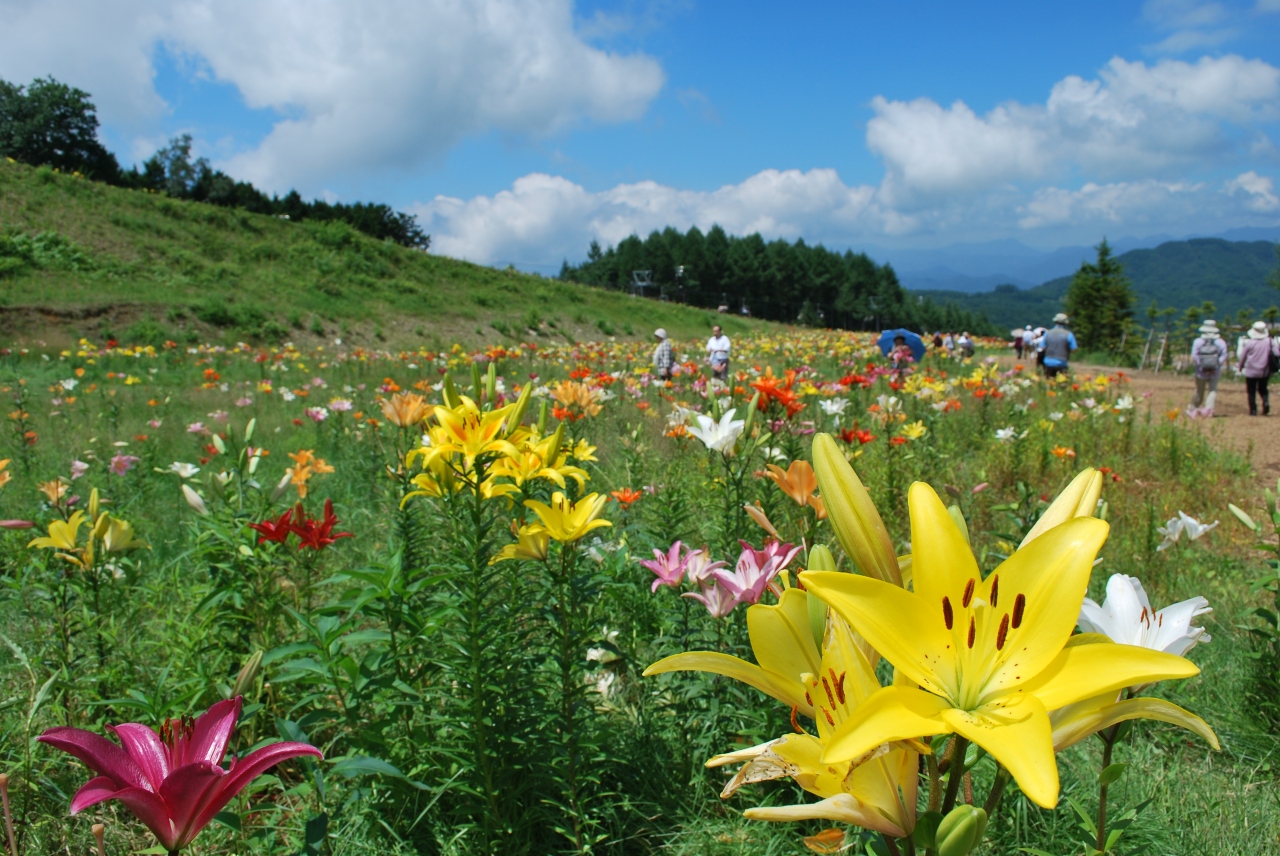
(1231, 274)
(157, 257)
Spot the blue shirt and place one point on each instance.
(1071, 344)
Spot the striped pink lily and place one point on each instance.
(172, 781)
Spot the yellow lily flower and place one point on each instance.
(466, 432)
(118, 537)
(405, 409)
(853, 515)
(784, 646)
(1078, 499)
(533, 542)
(876, 791)
(989, 657)
(63, 535)
(567, 521)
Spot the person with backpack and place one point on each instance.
(1259, 360)
(1056, 347)
(1209, 354)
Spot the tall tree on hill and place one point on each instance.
(1273, 279)
(1100, 301)
(51, 123)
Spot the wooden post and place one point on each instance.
(1147, 348)
(1164, 340)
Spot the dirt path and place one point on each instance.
(1231, 426)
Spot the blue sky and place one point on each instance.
(518, 130)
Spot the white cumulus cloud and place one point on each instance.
(1259, 191)
(1133, 120)
(361, 87)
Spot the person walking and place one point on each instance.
(718, 353)
(1056, 346)
(965, 343)
(1259, 355)
(1209, 354)
(663, 361)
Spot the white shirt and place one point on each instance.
(718, 347)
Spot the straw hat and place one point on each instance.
(1259, 330)
(1209, 327)
(1060, 318)
(661, 333)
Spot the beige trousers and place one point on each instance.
(1206, 391)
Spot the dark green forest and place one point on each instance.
(776, 280)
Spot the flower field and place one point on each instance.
(533, 599)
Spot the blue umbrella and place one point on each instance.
(914, 342)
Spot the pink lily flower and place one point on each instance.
(756, 569)
(699, 567)
(668, 566)
(718, 599)
(172, 781)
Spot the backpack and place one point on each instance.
(1207, 358)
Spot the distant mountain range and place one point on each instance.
(981, 267)
(1230, 273)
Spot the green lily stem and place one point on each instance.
(997, 792)
(935, 782)
(959, 746)
(1108, 743)
(566, 608)
(891, 844)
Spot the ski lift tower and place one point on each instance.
(641, 280)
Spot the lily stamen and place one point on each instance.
(995, 589)
(968, 593)
(1019, 605)
(947, 615)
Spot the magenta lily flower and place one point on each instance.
(668, 566)
(172, 781)
(756, 569)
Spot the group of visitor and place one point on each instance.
(951, 345)
(1257, 358)
(664, 362)
(1052, 347)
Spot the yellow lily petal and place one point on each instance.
(942, 563)
(853, 515)
(1031, 587)
(780, 635)
(1075, 722)
(842, 808)
(880, 612)
(1085, 671)
(893, 713)
(1078, 499)
(789, 692)
(1019, 737)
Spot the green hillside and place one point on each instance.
(1181, 274)
(82, 258)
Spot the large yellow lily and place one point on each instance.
(853, 515)
(990, 657)
(784, 647)
(532, 542)
(466, 432)
(876, 791)
(567, 521)
(118, 537)
(63, 535)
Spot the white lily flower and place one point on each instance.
(833, 406)
(185, 471)
(1126, 617)
(1009, 435)
(1176, 526)
(1125, 402)
(719, 436)
(1194, 528)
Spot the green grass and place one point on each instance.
(79, 258)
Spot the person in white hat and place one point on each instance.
(1258, 354)
(1209, 354)
(1057, 345)
(663, 361)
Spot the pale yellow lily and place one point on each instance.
(532, 542)
(63, 535)
(567, 521)
(990, 657)
(784, 646)
(1078, 499)
(853, 515)
(118, 536)
(876, 791)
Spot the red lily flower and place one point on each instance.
(318, 534)
(274, 530)
(172, 781)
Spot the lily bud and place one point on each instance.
(248, 429)
(542, 418)
(957, 516)
(553, 450)
(475, 380)
(253, 464)
(519, 408)
(853, 515)
(248, 674)
(961, 830)
(94, 502)
(491, 384)
(1078, 499)
(194, 500)
(750, 419)
(820, 559)
(281, 487)
(100, 525)
(450, 392)
(219, 445)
